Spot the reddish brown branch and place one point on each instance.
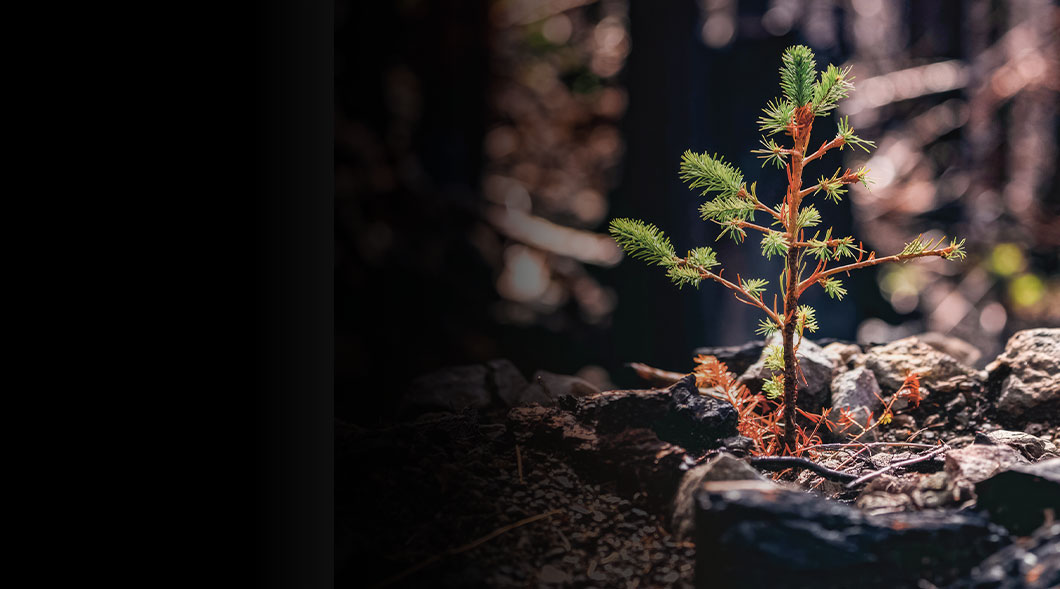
(751, 300)
(837, 142)
(872, 261)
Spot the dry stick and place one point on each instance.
(519, 463)
(869, 444)
(920, 458)
(778, 463)
(666, 377)
(924, 429)
(466, 547)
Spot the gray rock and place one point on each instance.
(890, 494)
(855, 391)
(1030, 369)
(506, 379)
(777, 538)
(723, 467)
(846, 352)
(959, 349)
(979, 462)
(817, 366)
(450, 389)
(939, 372)
(546, 388)
(1032, 447)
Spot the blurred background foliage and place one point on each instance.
(481, 146)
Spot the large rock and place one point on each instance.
(747, 536)
(1031, 447)
(1033, 563)
(679, 414)
(847, 353)
(506, 380)
(979, 462)
(817, 366)
(959, 349)
(723, 467)
(942, 374)
(641, 439)
(546, 388)
(1029, 373)
(1019, 497)
(857, 392)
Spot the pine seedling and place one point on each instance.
(732, 205)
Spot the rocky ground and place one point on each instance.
(493, 480)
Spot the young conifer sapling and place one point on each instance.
(808, 261)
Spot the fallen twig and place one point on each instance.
(465, 547)
(665, 377)
(655, 375)
(921, 458)
(775, 463)
(852, 445)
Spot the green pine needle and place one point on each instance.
(834, 288)
(712, 174)
(766, 327)
(833, 187)
(917, 246)
(772, 153)
(833, 86)
(808, 217)
(643, 241)
(755, 286)
(819, 249)
(774, 358)
(704, 257)
(807, 319)
(683, 274)
(776, 116)
(958, 250)
(774, 387)
(732, 228)
(845, 247)
(797, 72)
(723, 209)
(773, 244)
(849, 138)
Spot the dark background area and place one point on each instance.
(475, 141)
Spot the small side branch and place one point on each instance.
(761, 207)
(747, 225)
(921, 458)
(872, 262)
(837, 142)
(749, 300)
(847, 178)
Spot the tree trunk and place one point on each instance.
(803, 122)
(791, 384)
